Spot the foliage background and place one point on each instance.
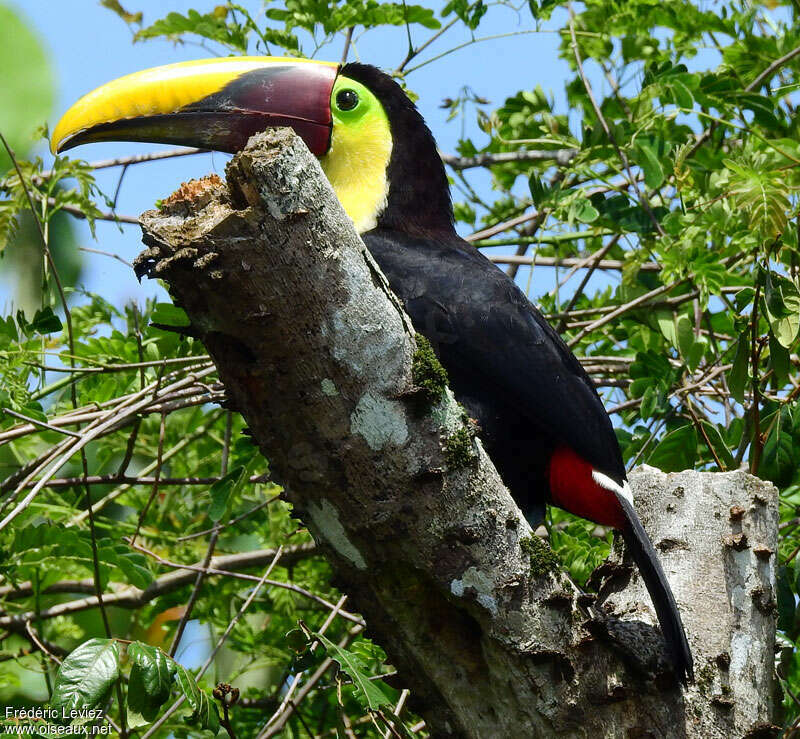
(648, 203)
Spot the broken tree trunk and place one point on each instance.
(386, 472)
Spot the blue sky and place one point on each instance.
(89, 45)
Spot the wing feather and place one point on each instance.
(498, 345)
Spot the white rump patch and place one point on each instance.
(605, 481)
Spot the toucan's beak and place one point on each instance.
(212, 104)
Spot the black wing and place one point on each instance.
(499, 350)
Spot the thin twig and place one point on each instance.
(42, 424)
(621, 310)
(212, 545)
(234, 521)
(347, 39)
(561, 157)
(162, 432)
(105, 254)
(594, 259)
(174, 707)
(609, 134)
(116, 479)
(135, 159)
(487, 233)
(755, 353)
(99, 216)
(412, 52)
(42, 226)
(168, 583)
(310, 684)
(114, 494)
(129, 408)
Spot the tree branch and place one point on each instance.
(316, 352)
(561, 157)
(229, 565)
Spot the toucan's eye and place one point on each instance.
(346, 99)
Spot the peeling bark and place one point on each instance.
(318, 355)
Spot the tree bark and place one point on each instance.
(493, 641)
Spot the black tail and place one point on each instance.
(641, 548)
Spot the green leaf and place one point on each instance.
(684, 335)
(696, 353)
(782, 301)
(115, 7)
(8, 331)
(576, 545)
(204, 710)
(34, 410)
(220, 493)
(761, 194)
(86, 676)
(151, 677)
(738, 375)
(666, 324)
(297, 640)
(779, 360)
(681, 94)
(743, 298)
(425, 16)
(762, 107)
(676, 451)
(225, 488)
(470, 13)
(368, 692)
(134, 569)
(168, 314)
(786, 601)
(541, 10)
(45, 322)
(647, 159)
(210, 26)
(538, 189)
(719, 445)
(584, 211)
(796, 579)
(778, 458)
(649, 401)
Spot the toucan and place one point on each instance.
(539, 414)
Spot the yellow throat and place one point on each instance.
(356, 163)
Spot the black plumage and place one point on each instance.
(508, 367)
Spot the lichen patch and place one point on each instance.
(481, 584)
(328, 388)
(325, 520)
(364, 337)
(379, 421)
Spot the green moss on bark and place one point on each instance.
(459, 450)
(427, 372)
(542, 557)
